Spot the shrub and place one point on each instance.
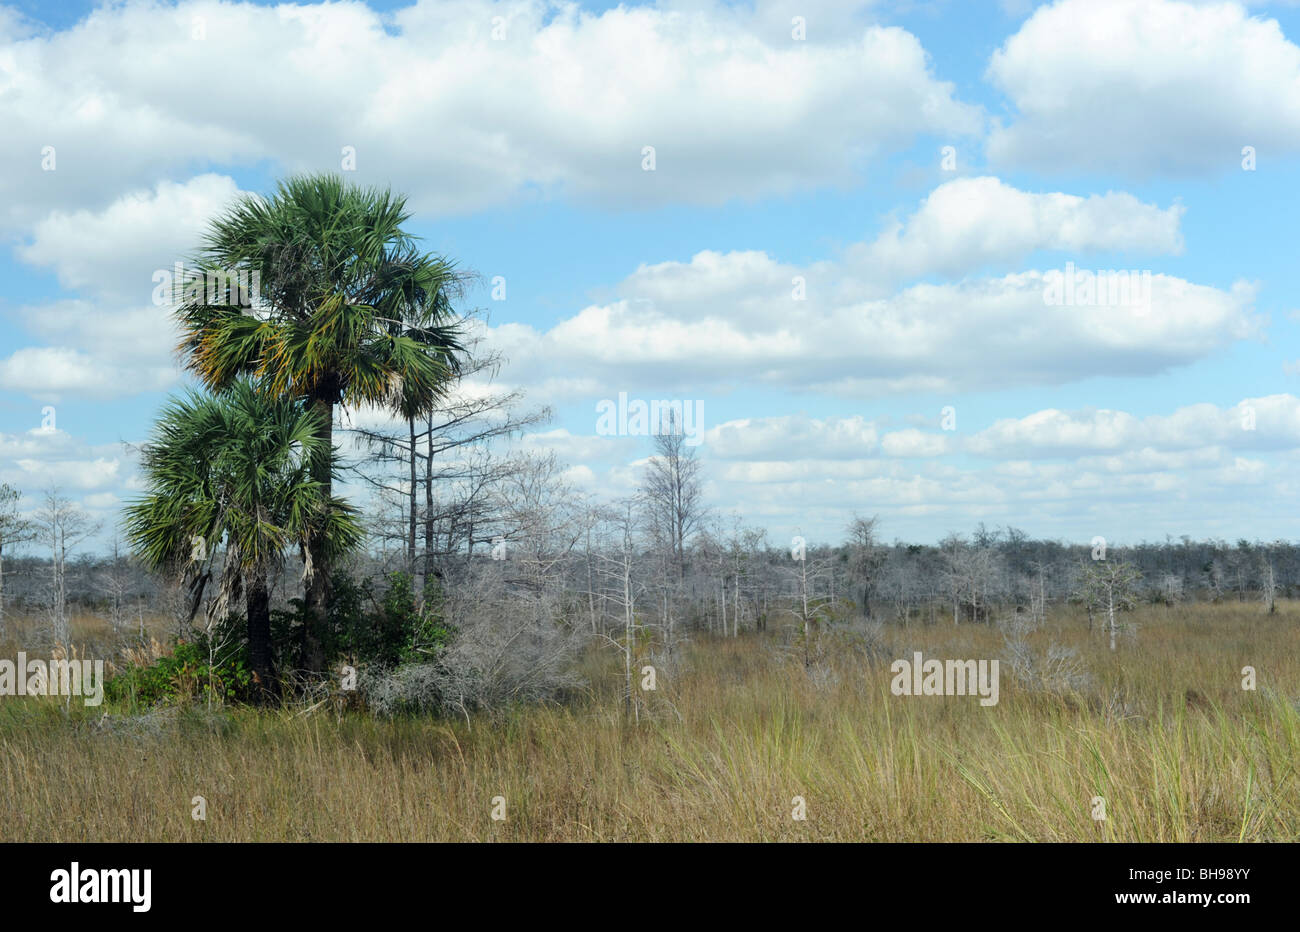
(184, 675)
(485, 648)
(364, 626)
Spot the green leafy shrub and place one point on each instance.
(185, 675)
(365, 626)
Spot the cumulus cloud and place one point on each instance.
(913, 442)
(40, 457)
(675, 328)
(792, 437)
(114, 340)
(571, 447)
(1144, 87)
(114, 253)
(461, 109)
(969, 223)
(53, 373)
(1271, 422)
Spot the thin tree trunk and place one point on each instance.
(410, 531)
(428, 508)
(591, 594)
(627, 619)
(722, 604)
(735, 606)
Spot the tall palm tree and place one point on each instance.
(236, 468)
(352, 312)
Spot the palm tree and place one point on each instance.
(350, 312)
(236, 468)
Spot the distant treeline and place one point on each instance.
(976, 575)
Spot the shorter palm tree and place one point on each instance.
(236, 468)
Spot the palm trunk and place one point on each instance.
(317, 594)
(259, 635)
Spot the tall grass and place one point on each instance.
(1163, 732)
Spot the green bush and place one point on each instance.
(185, 675)
(368, 627)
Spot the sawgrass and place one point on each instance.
(737, 728)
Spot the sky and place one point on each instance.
(876, 247)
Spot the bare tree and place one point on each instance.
(62, 526)
(974, 574)
(1268, 579)
(810, 611)
(1038, 594)
(1111, 586)
(447, 453)
(672, 489)
(743, 546)
(865, 558)
(13, 530)
(618, 572)
(1171, 589)
(116, 579)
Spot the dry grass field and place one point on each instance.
(1162, 730)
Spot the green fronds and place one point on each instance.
(234, 467)
(350, 304)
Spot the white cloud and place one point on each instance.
(114, 341)
(41, 457)
(433, 104)
(969, 223)
(1147, 86)
(114, 252)
(53, 373)
(572, 447)
(912, 442)
(792, 437)
(101, 501)
(676, 329)
(1271, 422)
(111, 334)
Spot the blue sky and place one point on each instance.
(1106, 134)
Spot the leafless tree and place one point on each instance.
(672, 490)
(1111, 586)
(810, 612)
(973, 575)
(619, 579)
(1268, 578)
(448, 454)
(14, 530)
(865, 558)
(62, 526)
(115, 579)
